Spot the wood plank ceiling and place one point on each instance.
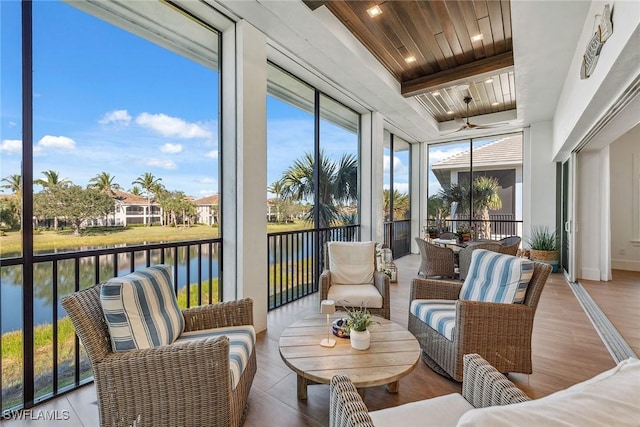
(440, 51)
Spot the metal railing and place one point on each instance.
(500, 226)
(397, 237)
(59, 364)
(293, 267)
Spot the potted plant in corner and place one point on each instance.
(543, 246)
(358, 321)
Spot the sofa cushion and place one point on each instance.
(439, 314)
(141, 309)
(609, 399)
(496, 277)
(351, 263)
(363, 295)
(242, 339)
(440, 411)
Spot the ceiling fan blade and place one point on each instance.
(489, 126)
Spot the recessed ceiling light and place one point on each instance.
(477, 37)
(449, 112)
(435, 93)
(410, 59)
(495, 104)
(489, 81)
(374, 11)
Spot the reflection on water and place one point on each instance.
(11, 279)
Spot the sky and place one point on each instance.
(106, 100)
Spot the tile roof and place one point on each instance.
(502, 152)
(209, 200)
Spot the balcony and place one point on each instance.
(566, 350)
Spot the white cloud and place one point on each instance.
(398, 166)
(11, 146)
(171, 148)
(213, 154)
(116, 116)
(205, 193)
(172, 126)
(207, 181)
(59, 142)
(160, 163)
(401, 187)
(12, 124)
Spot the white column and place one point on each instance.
(371, 178)
(244, 178)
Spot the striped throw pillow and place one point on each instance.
(496, 277)
(141, 309)
(242, 339)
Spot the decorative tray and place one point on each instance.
(339, 328)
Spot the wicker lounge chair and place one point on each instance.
(483, 386)
(185, 383)
(499, 332)
(510, 245)
(435, 261)
(355, 293)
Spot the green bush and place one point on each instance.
(542, 239)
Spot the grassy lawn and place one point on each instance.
(101, 237)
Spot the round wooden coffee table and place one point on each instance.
(393, 353)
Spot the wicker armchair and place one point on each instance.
(482, 386)
(185, 383)
(435, 261)
(379, 286)
(501, 333)
(465, 255)
(510, 245)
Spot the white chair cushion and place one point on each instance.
(496, 277)
(351, 263)
(609, 399)
(362, 295)
(141, 309)
(440, 411)
(439, 314)
(242, 339)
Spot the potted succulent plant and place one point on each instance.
(543, 246)
(358, 321)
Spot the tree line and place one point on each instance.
(60, 198)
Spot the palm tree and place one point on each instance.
(483, 192)
(338, 185)
(400, 204)
(103, 182)
(14, 184)
(136, 190)
(52, 180)
(147, 182)
(485, 197)
(51, 183)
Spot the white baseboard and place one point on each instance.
(590, 274)
(618, 264)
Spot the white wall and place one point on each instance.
(582, 102)
(539, 175)
(625, 201)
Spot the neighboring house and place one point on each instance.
(501, 159)
(273, 210)
(131, 209)
(207, 209)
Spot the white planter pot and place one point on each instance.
(360, 340)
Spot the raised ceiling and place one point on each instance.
(459, 48)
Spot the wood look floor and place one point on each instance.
(566, 350)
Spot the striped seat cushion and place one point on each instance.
(439, 314)
(141, 309)
(496, 277)
(241, 342)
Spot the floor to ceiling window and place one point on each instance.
(396, 194)
(312, 171)
(475, 187)
(122, 153)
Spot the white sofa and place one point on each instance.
(611, 398)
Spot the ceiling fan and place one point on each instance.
(465, 122)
